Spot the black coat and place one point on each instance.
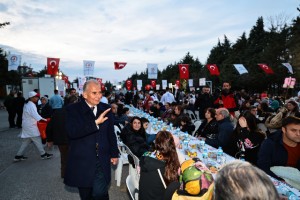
(150, 185)
(83, 135)
(208, 130)
(135, 140)
(202, 102)
(56, 129)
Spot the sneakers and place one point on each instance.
(46, 156)
(19, 158)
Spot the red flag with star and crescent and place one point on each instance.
(213, 69)
(153, 84)
(183, 71)
(119, 65)
(65, 78)
(266, 68)
(52, 66)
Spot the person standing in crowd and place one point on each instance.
(167, 97)
(30, 132)
(204, 101)
(45, 110)
(158, 167)
(241, 180)
(72, 92)
(92, 144)
(106, 97)
(227, 99)
(10, 107)
(146, 104)
(225, 130)
(19, 102)
(281, 148)
(56, 102)
(57, 133)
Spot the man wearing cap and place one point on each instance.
(281, 148)
(30, 132)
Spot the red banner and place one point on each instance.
(119, 65)
(65, 78)
(52, 66)
(153, 84)
(99, 80)
(128, 84)
(183, 71)
(213, 69)
(266, 68)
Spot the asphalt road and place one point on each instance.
(36, 178)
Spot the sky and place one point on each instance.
(133, 31)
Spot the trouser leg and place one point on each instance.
(38, 143)
(100, 186)
(25, 143)
(19, 119)
(63, 158)
(11, 118)
(85, 193)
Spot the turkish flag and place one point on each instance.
(128, 84)
(102, 87)
(153, 84)
(65, 78)
(177, 83)
(99, 80)
(266, 68)
(52, 66)
(119, 65)
(183, 71)
(213, 69)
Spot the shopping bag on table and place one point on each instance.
(42, 125)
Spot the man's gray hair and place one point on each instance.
(89, 82)
(224, 112)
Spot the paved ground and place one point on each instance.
(36, 178)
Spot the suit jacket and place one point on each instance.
(83, 135)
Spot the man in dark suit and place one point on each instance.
(92, 144)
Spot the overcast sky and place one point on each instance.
(133, 31)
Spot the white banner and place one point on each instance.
(139, 84)
(14, 61)
(81, 81)
(152, 71)
(157, 87)
(164, 84)
(202, 81)
(240, 68)
(190, 82)
(88, 67)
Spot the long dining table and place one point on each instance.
(193, 147)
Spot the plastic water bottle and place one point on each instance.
(283, 190)
(202, 144)
(242, 157)
(219, 154)
(205, 155)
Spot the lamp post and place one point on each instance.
(59, 75)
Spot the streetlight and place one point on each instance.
(59, 75)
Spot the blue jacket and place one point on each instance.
(272, 153)
(83, 135)
(225, 131)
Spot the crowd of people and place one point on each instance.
(258, 128)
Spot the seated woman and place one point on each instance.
(178, 111)
(240, 181)
(209, 127)
(248, 137)
(158, 167)
(133, 135)
(186, 125)
(149, 137)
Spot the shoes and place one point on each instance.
(19, 158)
(46, 156)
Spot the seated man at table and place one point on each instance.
(281, 148)
(225, 131)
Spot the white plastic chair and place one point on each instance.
(123, 159)
(121, 125)
(134, 174)
(133, 191)
(191, 115)
(197, 125)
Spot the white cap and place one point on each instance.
(33, 94)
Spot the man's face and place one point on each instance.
(72, 92)
(114, 109)
(219, 116)
(226, 86)
(291, 134)
(93, 94)
(206, 90)
(253, 111)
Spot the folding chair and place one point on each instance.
(197, 125)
